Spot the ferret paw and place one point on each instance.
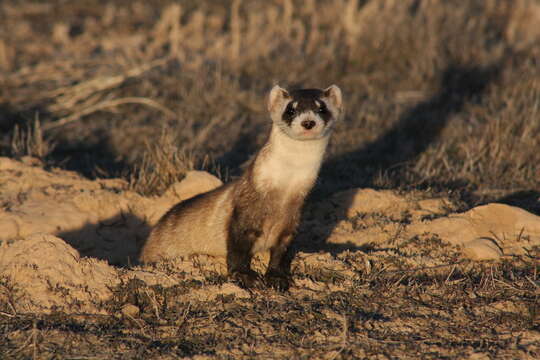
(246, 279)
(278, 281)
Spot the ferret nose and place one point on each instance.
(308, 124)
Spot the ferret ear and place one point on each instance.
(277, 95)
(333, 93)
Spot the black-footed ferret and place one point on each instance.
(260, 210)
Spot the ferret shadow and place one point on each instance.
(116, 240)
(415, 130)
(238, 157)
(526, 199)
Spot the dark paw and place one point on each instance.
(246, 279)
(280, 282)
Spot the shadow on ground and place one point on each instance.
(525, 199)
(416, 129)
(92, 160)
(116, 240)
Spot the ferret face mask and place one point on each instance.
(305, 114)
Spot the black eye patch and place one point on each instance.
(322, 108)
(289, 113)
(304, 100)
(323, 112)
(290, 109)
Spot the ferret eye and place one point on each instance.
(290, 111)
(322, 109)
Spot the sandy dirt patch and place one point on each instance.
(67, 241)
(368, 265)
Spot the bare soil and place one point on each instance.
(376, 273)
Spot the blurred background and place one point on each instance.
(440, 96)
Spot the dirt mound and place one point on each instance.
(51, 274)
(496, 228)
(359, 217)
(60, 236)
(99, 218)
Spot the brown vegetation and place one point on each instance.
(441, 96)
(438, 93)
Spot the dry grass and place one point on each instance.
(163, 164)
(30, 141)
(439, 94)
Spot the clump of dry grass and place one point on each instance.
(29, 141)
(162, 164)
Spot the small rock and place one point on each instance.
(482, 249)
(130, 310)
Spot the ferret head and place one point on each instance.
(305, 114)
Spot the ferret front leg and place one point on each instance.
(278, 274)
(239, 246)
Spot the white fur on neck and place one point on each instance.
(287, 165)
